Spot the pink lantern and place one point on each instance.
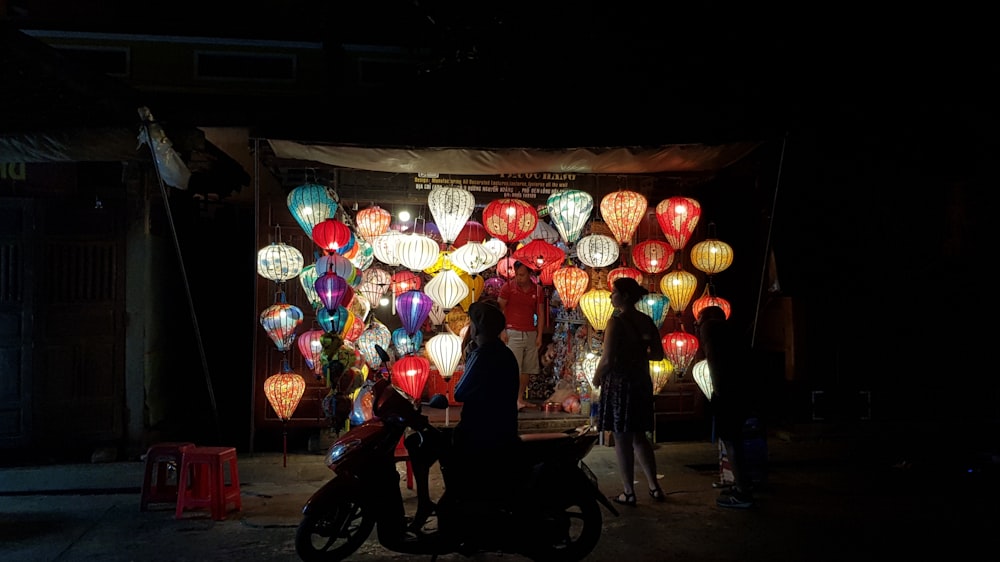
(312, 349)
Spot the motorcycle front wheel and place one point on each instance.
(568, 534)
(333, 532)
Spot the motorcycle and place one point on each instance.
(547, 507)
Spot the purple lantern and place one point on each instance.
(331, 289)
(493, 285)
(413, 308)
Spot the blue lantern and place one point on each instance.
(654, 305)
(311, 204)
(406, 343)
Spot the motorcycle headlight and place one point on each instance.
(339, 450)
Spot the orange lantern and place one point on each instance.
(570, 282)
(283, 391)
(630, 272)
(509, 220)
(372, 222)
(677, 217)
(623, 211)
(680, 347)
(708, 299)
(652, 256)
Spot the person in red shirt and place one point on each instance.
(521, 301)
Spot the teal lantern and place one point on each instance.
(407, 343)
(311, 204)
(654, 305)
(570, 210)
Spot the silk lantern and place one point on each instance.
(703, 376)
(655, 306)
(331, 289)
(678, 216)
(543, 231)
(446, 289)
(546, 273)
(445, 350)
(597, 250)
(365, 255)
(652, 256)
(659, 372)
(679, 286)
(570, 282)
(331, 235)
(352, 327)
(403, 281)
(475, 285)
(325, 319)
(509, 219)
(538, 253)
(311, 204)
(341, 266)
(456, 320)
(596, 306)
(451, 208)
(307, 278)
(711, 256)
(505, 267)
(680, 347)
(406, 344)
(284, 390)
(708, 299)
(375, 335)
(375, 283)
(493, 285)
(412, 307)
(279, 321)
(473, 231)
(623, 210)
(372, 221)
(630, 272)
(570, 210)
(339, 319)
(473, 258)
(410, 375)
(311, 347)
(384, 247)
(416, 251)
(496, 247)
(279, 262)
(443, 261)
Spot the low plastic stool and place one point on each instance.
(158, 484)
(202, 482)
(401, 454)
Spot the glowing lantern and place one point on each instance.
(410, 375)
(339, 319)
(596, 306)
(630, 272)
(509, 220)
(711, 256)
(360, 306)
(679, 286)
(331, 289)
(365, 255)
(311, 348)
(597, 250)
(655, 306)
(279, 321)
(443, 261)
(436, 314)
(384, 247)
(352, 327)
(373, 221)
(456, 321)
(446, 289)
(570, 210)
(475, 284)
(284, 390)
(471, 232)
(445, 350)
(652, 256)
(680, 347)
(341, 266)
(505, 267)
(660, 372)
(708, 299)
(493, 285)
(543, 231)
(412, 307)
(332, 235)
(570, 282)
(451, 208)
(677, 217)
(311, 204)
(375, 282)
(496, 247)
(538, 253)
(325, 319)
(545, 276)
(376, 334)
(703, 376)
(417, 251)
(473, 258)
(279, 262)
(623, 211)
(403, 281)
(406, 344)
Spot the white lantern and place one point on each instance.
(445, 350)
(473, 258)
(446, 289)
(497, 246)
(597, 250)
(451, 208)
(703, 377)
(279, 262)
(384, 247)
(417, 252)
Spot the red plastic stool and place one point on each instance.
(159, 482)
(402, 454)
(202, 481)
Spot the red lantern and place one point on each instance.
(623, 211)
(372, 222)
(630, 272)
(707, 299)
(680, 347)
(545, 277)
(509, 220)
(410, 374)
(539, 253)
(403, 281)
(570, 282)
(331, 235)
(652, 256)
(505, 267)
(471, 232)
(677, 217)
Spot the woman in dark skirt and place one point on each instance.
(631, 341)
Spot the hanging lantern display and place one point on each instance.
(406, 344)
(384, 247)
(352, 327)
(543, 231)
(570, 210)
(475, 283)
(456, 321)
(703, 376)
(335, 263)
(409, 374)
(597, 250)
(311, 347)
(680, 347)
(417, 251)
(660, 372)
(403, 281)
(652, 256)
(679, 286)
(376, 334)
(473, 231)
(505, 267)
(655, 306)
(363, 258)
(538, 253)
(570, 282)
(279, 262)
(375, 282)
(446, 289)
(284, 390)
(473, 258)
(496, 247)
(451, 208)
(678, 216)
(332, 235)
(372, 222)
(707, 299)
(493, 285)
(623, 210)
(711, 256)
(509, 219)
(630, 272)
(445, 350)
(308, 279)
(279, 321)
(359, 305)
(412, 307)
(596, 306)
(331, 289)
(311, 204)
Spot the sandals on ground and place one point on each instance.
(657, 494)
(625, 499)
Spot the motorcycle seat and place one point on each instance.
(535, 437)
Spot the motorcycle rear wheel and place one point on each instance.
(569, 534)
(333, 532)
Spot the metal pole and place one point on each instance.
(767, 245)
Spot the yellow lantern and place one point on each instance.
(679, 286)
(596, 306)
(660, 372)
(476, 285)
(284, 390)
(711, 256)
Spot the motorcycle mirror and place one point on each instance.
(438, 401)
(383, 355)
